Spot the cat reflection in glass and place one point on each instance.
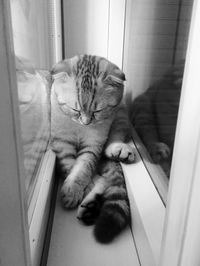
(154, 115)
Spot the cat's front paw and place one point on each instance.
(120, 152)
(72, 194)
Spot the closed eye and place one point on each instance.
(102, 109)
(113, 106)
(75, 110)
(97, 111)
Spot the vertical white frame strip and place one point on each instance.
(14, 240)
(55, 34)
(182, 231)
(40, 216)
(116, 26)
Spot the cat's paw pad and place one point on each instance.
(159, 151)
(89, 211)
(120, 152)
(71, 194)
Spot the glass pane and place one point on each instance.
(30, 34)
(34, 105)
(155, 49)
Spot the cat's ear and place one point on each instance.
(111, 73)
(115, 76)
(64, 68)
(115, 79)
(61, 70)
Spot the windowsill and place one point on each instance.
(73, 244)
(139, 246)
(157, 174)
(147, 206)
(40, 204)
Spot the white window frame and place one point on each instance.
(181, 236)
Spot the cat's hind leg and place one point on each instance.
(90, 207)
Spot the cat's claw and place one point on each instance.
(71, 194)
(120, 152)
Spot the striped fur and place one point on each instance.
(87, 119)
(106, 205)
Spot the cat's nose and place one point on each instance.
(85, 119)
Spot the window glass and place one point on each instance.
(155, 49)
(30, 36)
(34, 106)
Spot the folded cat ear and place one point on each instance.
(64, 68)
(60, 75)
(116, 77)
(111, 73)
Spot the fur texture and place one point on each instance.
(89, 120)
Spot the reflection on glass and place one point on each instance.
(154, 115)
(31, 46)
(34, 104)
(155, 48)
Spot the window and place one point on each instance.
(37, 46)
(156, 38)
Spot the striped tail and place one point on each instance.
(113, 218)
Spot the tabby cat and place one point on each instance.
(89, 120)
(154, 115)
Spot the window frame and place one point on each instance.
(181, 234)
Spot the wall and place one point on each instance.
(94, 27)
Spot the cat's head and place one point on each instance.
(88, 88)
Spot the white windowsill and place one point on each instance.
(147, 206)
(139, 246)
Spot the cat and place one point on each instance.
(154, 115)
(89, 134)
